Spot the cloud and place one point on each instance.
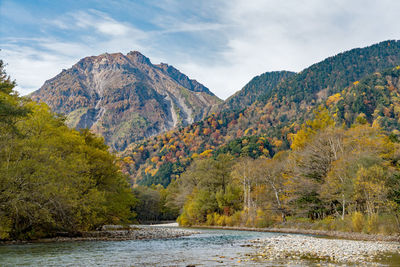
(222, 44)
(102, 23)
(286, 35)
(32, 61)
(98, 21)
(31, 67)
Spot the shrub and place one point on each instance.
(373, 223)
(210, 219)
(357, 221)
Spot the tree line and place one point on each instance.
(333, 177)
(52, 178)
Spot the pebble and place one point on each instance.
(297, 247)
(134, 232)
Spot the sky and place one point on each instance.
(221, 43)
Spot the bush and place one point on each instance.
(263, 219)
(210, 219)
(357, 221)
(237, 218)
(373, 223)
(328, 223)
(220, 220)
(183, 220)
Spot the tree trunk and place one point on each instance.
(343, 206)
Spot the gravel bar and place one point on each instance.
(298, 247)
(118, 233)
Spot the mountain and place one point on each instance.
(284, 108)
(125, 98)
(258, 86)
(374, 99)
(272, 116)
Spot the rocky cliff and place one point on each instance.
(125, 98)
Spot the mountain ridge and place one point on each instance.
(272, 117)
(125, 98)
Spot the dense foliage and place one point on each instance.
(52, 178)
(347, 178)
(154, 204)
(257, 87)
(287, 102)
(337, 72)
(163, 158)
(376, 99)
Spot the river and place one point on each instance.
(208, 248)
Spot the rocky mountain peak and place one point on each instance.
(136, 56)
(125, 98)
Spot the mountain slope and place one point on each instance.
(258, 86)
(334, 73)
(374, 99)
(125, 98)
(273, 116)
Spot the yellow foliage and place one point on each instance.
(334, 99)
(210, 219)
(376, 123)
(356, 82)
(147, 170)
(248, 131)
(322, 120)
(153, 172)
(372, 223)
(357, 221)
(155, 159)
(206, 153)
(128, 160)
(277, 143)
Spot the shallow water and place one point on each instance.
(209, 248)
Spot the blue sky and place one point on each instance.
(220, 43)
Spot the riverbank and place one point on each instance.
(298, 248)
(118, 233)
(322, 233)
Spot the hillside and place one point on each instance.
(258, 86)
(374, 99)
(316, 83)
(271, 118)
(125, 98)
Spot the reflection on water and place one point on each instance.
(209, 248)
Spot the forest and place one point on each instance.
(54, 179)
(357, 82)
(323, 160)
(333, 177)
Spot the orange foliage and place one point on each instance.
(206, 131)
(155, 159)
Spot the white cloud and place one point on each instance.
(222, 44)
(30, 68)
(102, 23)
(32, 61)
(289, 35)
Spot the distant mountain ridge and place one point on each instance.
(258, 86)
(278, 112)
(125, 98)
